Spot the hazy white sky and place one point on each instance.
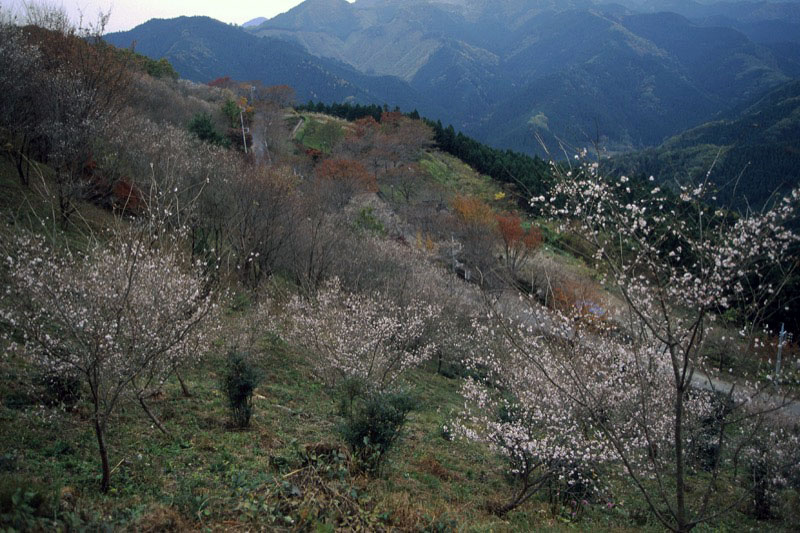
(125, 14)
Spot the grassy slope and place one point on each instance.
(313, 133)
(456, 176)
(209, 476)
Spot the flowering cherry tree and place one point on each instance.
(121, 316)
(363, 336)
(547, 393)
(677, 263)
(519, 413)
(560, 401)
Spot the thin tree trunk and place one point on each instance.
(105, 484)
(528, 490)
(680, 483)
(153, 417)
(63, 199)
(184, 388)
(519, 498)
(21, 170)
(22, 161)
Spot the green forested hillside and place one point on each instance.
(752, 156)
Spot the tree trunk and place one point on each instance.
(105, 484)
(184, 388)
(21, 169)
(22, 161)
(518, 499)
(680, 482)
(153, 417)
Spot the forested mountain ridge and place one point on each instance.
(752, 155)
(202, 49)
(761, 21)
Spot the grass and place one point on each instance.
(455, 175)
(320, 132)
(290, 471)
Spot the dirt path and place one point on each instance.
(788, 407)
(259, 147)
(297, 127)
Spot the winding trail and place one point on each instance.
(786, 407)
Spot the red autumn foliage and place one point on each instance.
(518, 242)
(224, 82)
(279, 95)
(348, 171)
(365, 126)
(514, 235)
(127, 197)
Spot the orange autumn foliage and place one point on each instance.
(473, 210)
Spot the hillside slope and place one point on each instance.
(361, 333)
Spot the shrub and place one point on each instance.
(367, 221)
(373, 426)
(705, 445)
(202, 125)
(239, 381)
(350, 391)
(25, 508)
(772, 467)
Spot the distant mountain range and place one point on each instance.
(258, 21)
(576, 71)
(202, 49)
(763, 22)
(512, 73)
(752, 155)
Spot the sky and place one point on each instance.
(125, 14)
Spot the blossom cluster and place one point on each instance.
(677, 262)
(678, 252)
(563, 403)
(365, 336)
